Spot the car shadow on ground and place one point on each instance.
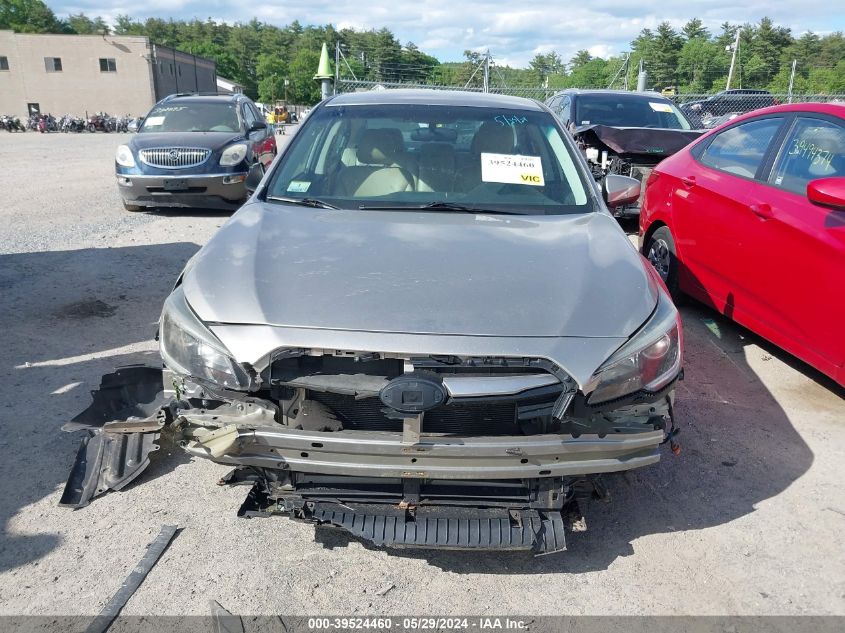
(739, 448)
(68, 318)
(172, 212)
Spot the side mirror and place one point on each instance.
(254, 177)
(620, 190)
(827, 192)
(258, 125)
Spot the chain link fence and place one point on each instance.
(357, 85)
(703, 110)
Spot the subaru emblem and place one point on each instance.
(414, 393)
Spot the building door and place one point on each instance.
(34, 109)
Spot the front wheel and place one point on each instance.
(661, 252)
(131, 207)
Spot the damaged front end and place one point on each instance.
(629, 151)
(404, 449)
(428, 451)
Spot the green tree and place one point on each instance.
(663, 62)
(764, 44)
(81, 24)
(694, 29)
(271, 71)
(581, 59)
(29, 16)
(303, 89)
(546, 65)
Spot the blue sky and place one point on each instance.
(513, 31)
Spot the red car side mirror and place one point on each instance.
(827, 192)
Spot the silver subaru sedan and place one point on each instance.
(424, 327)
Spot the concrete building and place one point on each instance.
(118, 74)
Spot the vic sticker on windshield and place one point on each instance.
(512, 169)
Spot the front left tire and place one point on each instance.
(662, 254)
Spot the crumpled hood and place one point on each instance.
(656, 142)
(422, 273)
(208, 140)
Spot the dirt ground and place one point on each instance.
(749, 519)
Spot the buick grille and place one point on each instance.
(174, 157)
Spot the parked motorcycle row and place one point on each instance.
(98, 122)
(11, 123)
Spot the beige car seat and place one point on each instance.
(380, 154)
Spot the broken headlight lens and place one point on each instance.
(188, 348)
(648, 362)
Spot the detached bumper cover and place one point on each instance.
(121, 425)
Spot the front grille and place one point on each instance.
(472, 418)
(174, 157)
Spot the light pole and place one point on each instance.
(287, 83)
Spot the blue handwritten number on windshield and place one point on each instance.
(504, 119)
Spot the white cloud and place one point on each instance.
(446, 28)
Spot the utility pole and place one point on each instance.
(735, 48)
(336, 65)
(642, 78)
(487, 71)
(792, 79)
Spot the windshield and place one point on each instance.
(620, 110)
(455, 158)
(192, 117)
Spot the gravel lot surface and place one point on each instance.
(749, 519)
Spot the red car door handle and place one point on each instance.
(689, 181)
(762, 210)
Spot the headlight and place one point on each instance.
(187, 347)
(124, 156)
(233, 154)
(649, 361)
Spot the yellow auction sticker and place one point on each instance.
(512, 169)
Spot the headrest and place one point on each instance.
(380, 146)
(493, 138)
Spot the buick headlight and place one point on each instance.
(648, 362)
(124, 156)
(233, 154)
(188, 348)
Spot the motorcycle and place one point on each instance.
(11, 123)
(99, 122)
(47, 123)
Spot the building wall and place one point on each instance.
(175, 71)
(144, 73)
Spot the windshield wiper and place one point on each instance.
(304, 202)
(436, 206)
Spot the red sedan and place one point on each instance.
(750, 219)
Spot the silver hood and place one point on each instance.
(421, 273)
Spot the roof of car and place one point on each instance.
(836, 109)
(205, 97)
(649, 94)
(434, 97)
